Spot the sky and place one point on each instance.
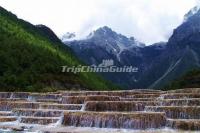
(149, 21)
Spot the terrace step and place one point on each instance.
(137, 99)
(20, 95)
(180, 102)
(144, 96)
(7, 118)
(184, 124)
(108, 93)
(48, 100)
(9, 105)
(148, 103)
(13, 99)
(177, 112)
(38, 112)
(6, 113)
(5, 94)
(137, 120)
(134, 109)
(39, 120)
(180, 95)
(83, 99)
(113, 106)
(61, 106)
(14, 94)
(44, 96)
(187, 90)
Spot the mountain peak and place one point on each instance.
(105, 35)
(105, 29)
(192, 12)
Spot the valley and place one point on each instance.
(93, 84)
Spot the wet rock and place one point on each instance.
(13, 128)
(5, 94)
(187, 90)
(83, 99)
(180, 95)
(113, 106)
(38, 112)
(39, 120)
(180, 102)
(45, 96)
(115, 120)
(6, 113)
(49, 100)
(20, 95)
(9, 105)
(184, 124)
(177, 112)
(109, 93)
(13, 99)
(137, 99)
(14, 94)
(61, 106)
(7, 118)
(144, 96)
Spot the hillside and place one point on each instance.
(189, 80)
(31, 59)
(181, 55)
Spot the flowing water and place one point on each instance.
(135, 111)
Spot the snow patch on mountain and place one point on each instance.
(192, 12)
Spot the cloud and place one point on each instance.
(149, 21)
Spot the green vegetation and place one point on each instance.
(31, 61)
(189, 80)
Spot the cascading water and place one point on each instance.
(12, 95)
(31, 98)
(83, 107)
(160, 99)
(59, 122)
(102, 112)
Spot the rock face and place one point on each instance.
(133, 109)
(180, 56)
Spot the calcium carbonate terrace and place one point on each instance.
(131, 111)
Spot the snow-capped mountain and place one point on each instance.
(107, 39)
(104, 43)
(191, 13)
(158, 64)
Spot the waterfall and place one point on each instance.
(59, 122)
(12, 96)
(83, 107)
(31, 98)
(18, 119)
(160, 99)
(145, 111)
